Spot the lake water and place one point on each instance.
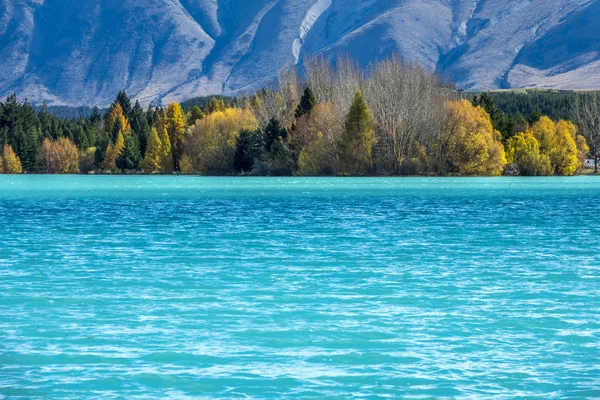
(181, 287)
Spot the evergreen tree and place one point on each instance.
(499, 120)
(358, 139)
(96, 116)
(249, 145)
(81, 139)
(139, 125)
(212, 106)
(125, 103)
(151, 116)
(194, 115)
(307, 103)
(130, 157)
(102, 143)
(273, 131)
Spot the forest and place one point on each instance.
(331, 119)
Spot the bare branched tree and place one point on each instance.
(586, 114)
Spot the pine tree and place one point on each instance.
(358, 139)
(125, 103)
(249, 146)
(213, 105)
(307, 103)
(139, 125)
(194, 115)
(273, 131)
(96, 116)
(129, 158)
(499, 120)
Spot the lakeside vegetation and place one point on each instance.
(393, 119)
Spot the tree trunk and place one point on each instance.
(596, 158)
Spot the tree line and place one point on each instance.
(392, 119)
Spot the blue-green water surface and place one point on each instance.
(181, 287)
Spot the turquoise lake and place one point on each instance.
(295, 288)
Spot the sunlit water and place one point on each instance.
(174, 287)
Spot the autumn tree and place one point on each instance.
(319, 133)
(523, 150)
(557, 141)
(87, 160)
(10, 161)
(158, 153)
(113, 151)
(358, 139)
(152, 160)
(116, 122)
(174, 123)
(473, 145)
(212, 142)
(59, 157)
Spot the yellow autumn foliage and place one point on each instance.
(10, 161)
(60, 156)
(557, 141)
(211, 141)
(523, 149)
(474, 147)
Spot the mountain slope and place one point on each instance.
(84, 51)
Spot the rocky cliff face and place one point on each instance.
(83, 51)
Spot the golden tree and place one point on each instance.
(60, 157)
(11, 162)
(474, 147)
(211, 142)
(557, 141)
(174, 122)
(523, 149)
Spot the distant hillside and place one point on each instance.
(74, 52)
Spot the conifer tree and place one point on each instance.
(166, 157)
(129, 158)
(307, 103)
(212, 106)
(194, 115)
(249, 146)
(273, 131)
(358, 139)
(113, 151)
(96, 116)
(153, 159)
(140, 127)
(125, 103)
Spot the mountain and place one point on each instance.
(79, 52)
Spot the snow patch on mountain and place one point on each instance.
(311, 17)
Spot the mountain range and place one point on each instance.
(82, 52)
